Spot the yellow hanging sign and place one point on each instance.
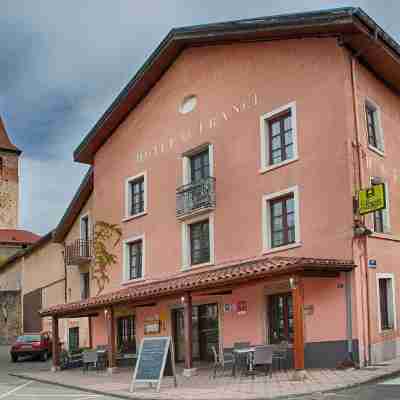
(372, 199)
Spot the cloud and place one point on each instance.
(62, 64)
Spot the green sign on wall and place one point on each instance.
(371, 199)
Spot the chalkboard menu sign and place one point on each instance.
(151, 361)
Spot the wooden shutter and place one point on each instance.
(32, 305)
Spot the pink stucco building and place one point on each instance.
(230, 164)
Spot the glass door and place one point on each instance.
(208, 330)
(280, 318)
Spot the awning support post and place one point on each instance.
(55, 344)
(189, 370)
(298, 325)
(109, 316)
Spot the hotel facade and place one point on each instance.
(226, 174)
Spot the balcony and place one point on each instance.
(79, 252)
(195, 198)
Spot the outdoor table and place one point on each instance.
(249, 352)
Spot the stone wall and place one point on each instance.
(9, 187)
(10, 316)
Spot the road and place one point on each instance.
(18, 389)
(385, 390)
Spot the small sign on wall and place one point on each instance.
(152, 327)
(372, 263)
(242, 307)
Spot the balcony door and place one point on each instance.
(199, 166)
(85, 235)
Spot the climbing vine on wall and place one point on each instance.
(106, 237)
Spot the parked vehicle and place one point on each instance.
(31, 344)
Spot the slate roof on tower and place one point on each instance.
(5, 142)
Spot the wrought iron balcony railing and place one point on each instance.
(195, 197)
(78, 252)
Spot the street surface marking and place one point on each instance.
(4, 395)
(395, 381)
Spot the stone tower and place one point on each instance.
(9, 185)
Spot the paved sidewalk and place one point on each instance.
(203, 387)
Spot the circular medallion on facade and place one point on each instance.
(188, 104)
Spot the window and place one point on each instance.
(381, 218)
(199, 242)
(85, 285)
(73, 339)
(280, 220)
(199, 166)
(135, 259)
(374, 128)
(126, 340)
(85, 227)
(136, 196)
(278, 137)
(386, 303)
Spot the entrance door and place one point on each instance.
(280, 318)
(205, 331)
(178, 319)
(73, 339)
(208, 330)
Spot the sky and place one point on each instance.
(63, 62)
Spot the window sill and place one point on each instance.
(130, 217)
(132, 281)
(282, 248)
(385, 236)
(376, 150)
(263, 170)
(190, 267)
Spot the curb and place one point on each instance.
(291, 396)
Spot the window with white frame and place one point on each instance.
(134, 256)
(278, 133)
(374, 126)
(198, 164)
(381, 218)
(198, 241)
(136, 195)
(386, 301)
(280, 220)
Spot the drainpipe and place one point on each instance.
(65, 278)
(363, 265)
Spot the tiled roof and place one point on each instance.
(211, 277)
(17, 236)
(5, 142)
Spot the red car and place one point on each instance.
(31, 344)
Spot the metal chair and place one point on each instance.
(90, 357)
(221, 360)
(280, 353)
(240, 360)
(263, 357)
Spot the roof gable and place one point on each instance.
(358, 32)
